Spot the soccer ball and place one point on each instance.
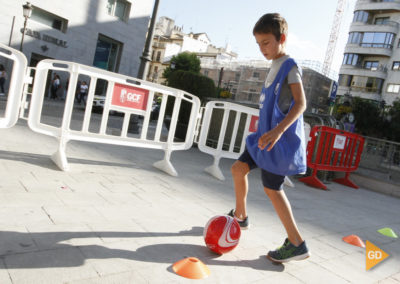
(221, 234)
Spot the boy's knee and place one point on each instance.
(271, 192)
(239, 169)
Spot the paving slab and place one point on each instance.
(114, 218)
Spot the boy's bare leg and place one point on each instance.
(239, 173)
(284, 211)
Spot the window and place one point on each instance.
(49, 19)
(158, 58)
(119, 8)
(237, 77)
(345, 80)
(372, 65)
(360, 16)
(382, 21)
(396, 65)
(205, 72)
(108, 53)
(351, 59)
(383, 40)
(256, 75)
(393, 88)
(155, 73)
(354, 38)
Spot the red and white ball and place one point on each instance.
(222, 234)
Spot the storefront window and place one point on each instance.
(108, 52)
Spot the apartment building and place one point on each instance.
(108, 34)
(170, 40)
(245, 79)
(371, 61)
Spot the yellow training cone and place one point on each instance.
(191, 267)
(388, 232)
(354, 240)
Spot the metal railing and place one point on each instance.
(376, 45)
(380, 67)
(365, 89)
(383, 156)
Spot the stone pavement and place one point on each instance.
(113, 218)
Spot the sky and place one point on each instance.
(231, 21)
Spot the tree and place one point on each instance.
(184, 61)
(196, 84)
(184, 74)
(393, 121)
(368, 117)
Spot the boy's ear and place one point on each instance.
(283, 39)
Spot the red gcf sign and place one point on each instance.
(253, 123)
(130, 97)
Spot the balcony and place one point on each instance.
(378, 49)
(388, 27)
(362, 92)
(376, 5)
(359, 70)
(158, 45)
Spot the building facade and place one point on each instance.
(245, 79)
(170, 40)
(371, 62)
(109, 34)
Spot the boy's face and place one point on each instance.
(269, 46)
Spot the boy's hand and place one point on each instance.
(270, 138)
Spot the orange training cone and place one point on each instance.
(354, 240)
(191, 267)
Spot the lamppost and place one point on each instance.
(145, 58)
(27, 10)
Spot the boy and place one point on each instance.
(278, 146)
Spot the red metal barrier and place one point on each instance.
(332, 149)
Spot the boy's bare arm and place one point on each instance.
(271, 137)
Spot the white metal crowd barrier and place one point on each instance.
(17, 77)
(226, 150)
(26, 94)
(124, 94)
(226, 145)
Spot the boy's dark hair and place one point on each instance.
(271, 23)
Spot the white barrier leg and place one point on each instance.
(288, 182)
(214, 169)
(165, 165)
(59, 157)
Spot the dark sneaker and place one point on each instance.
(288, 252)
(244, 225)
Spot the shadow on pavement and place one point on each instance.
(66, 255)
(46, 162)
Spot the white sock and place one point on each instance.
(238, 219)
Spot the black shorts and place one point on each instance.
(269, 180)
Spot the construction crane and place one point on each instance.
(330, 51)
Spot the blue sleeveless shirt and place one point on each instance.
(288, 156)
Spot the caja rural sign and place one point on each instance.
(130, 97)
